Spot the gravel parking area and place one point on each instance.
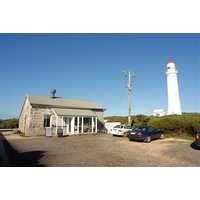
(101, 150)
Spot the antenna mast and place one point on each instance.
(130, 75)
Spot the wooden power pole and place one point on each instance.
(130, 75)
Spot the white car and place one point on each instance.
(121, 130)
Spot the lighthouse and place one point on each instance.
(174, 105)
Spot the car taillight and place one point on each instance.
(197, 137)
(139, 133)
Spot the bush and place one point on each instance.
(173, 125)
(9, 123)
(177, 125)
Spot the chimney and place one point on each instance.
(53, 92)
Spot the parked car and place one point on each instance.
(145, 133)
(197, 139)
(120, 130)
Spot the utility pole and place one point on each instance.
(130, 75)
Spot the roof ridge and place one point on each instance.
(60, 97)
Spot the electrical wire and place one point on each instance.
(120, 100)
(126, 81)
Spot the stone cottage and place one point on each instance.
(46, 115)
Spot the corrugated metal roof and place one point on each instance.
(63, 102)
(73, 112)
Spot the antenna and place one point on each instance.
(130, 75)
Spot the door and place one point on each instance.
(153, 132)
(68, 121)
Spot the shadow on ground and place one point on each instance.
(25, 159)
(194, 146)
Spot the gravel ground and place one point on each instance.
(101, 150)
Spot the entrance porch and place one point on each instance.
(73, 121)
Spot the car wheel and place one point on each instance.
(124, 134)
(162, 136)
(147, 139)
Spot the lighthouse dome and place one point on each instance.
(170, 64)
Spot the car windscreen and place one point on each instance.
(139, 128)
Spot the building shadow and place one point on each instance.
(25, 159)
(192, 145)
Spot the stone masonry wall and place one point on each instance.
(31, 120)
(100, 122)
(36, 126)
(24, 117)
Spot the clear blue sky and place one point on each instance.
(89, 66)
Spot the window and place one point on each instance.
(118, 126)
(152, 129)
(47, 120)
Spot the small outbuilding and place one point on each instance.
(47, 115)
(158, 112)
(108, 126)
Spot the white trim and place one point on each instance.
(96, 125)
(82, 125)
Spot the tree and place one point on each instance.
(143, 119)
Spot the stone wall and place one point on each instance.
(36, 126)
(31, 120)
(24, 117)
(100, 122)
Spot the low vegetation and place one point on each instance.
(181, 126)
(9, 123)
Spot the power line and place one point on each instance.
(119, 101)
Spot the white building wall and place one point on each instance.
(158, 113)
(174, 106)
(110, 125)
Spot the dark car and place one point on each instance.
(197, 139)
(145, 133)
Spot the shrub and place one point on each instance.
(9, 123)
(178, 125)
(173, 125)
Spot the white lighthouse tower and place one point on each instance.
(174, 106)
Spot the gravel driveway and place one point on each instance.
(101, 150)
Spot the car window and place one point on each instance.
(117, 126)
(151, 128)
(139, 128)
